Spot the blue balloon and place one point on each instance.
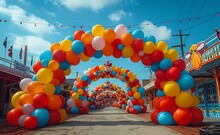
(74, 88)
(165, 64)
(78, 46)
(141, 90)
(47, 54)
(130, 32)
(121, 47)
(45, 63)
(84, 87)
(95, 92)
(124, 106)
(138, 108)
(184, 72)
(70, 38)
(89, 99)
(113, 73)
(165, 118)
(129, 88)
(185, 82)
(34, 78)
(58, 89)
(124, 75)
(84, 78)
(42, 116)
(155, 66)
(150, 38)
(89, 81)
(64, 65)
(131, 98)
(98, 54)
(92, 107)
(160, 93)
(75, 110)
(138, 34)
(81, 97)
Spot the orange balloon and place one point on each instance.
(109, 35)
(54, 102)
(117, 69)
(87, 38)
(78, 34)
(78, 102)
(127, 39)
(72, 58)
(156, 103)
(25, 98)
(141, 101)
(35, 87)
(55, 82)
(53, 65)
(129, 74)
(108, 50)
(55, 46)
(135, 57)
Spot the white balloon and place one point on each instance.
(141, 53)
(120, 30)
(21, 119)
(27, 109)
(75, 83)
(87, 73)
(84, 103)
(70, 102)
(24, 83)
(98, 43)
(84, 72)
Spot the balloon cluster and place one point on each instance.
(97, 72)
(35, 106)
(174, 103)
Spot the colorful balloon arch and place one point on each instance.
(135, 91)
(39, 102)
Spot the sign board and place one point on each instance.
(149, 85)
(21, 67)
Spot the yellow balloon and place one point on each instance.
(184, 99)
(63, 115)
(173, 55)
(67, 72)
(98, 30)
(127, 51)
(149, 47)
(171, 88)
(166, 54)
(66, 45)
(44, 75)
(75, 96)
(80, 91)
(15, 99)
(123, 70)
(113, 67)
(134, 89)
(102, 68)
(107, 77)
(134, 76)
(53, 65)
(195, 101)
(84, 57)
(131, 79)
(161, 45)
(137, 95)
(49, 89)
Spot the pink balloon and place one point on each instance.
(27, 109)
(120, 30)
(70, 102)
(21, 119)
(98, 43)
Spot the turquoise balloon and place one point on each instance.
(165, 64)
(70, 38)
(78, 46)
(138, 108)
(150, 38)
(98, 54)
(47, 54)
(141, 90)
(138, 34)
(58, 89)
(34, 78)
(155, 66)
(185, 82)
(75, 110)
(120, 47)
(45, 63)
(42, 116)
(160, 93)
(165, 118)
(64, 65)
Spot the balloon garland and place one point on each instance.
(53, 65)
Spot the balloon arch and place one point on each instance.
(39, 102)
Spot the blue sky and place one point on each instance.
(75, 13)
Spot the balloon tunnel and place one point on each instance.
(39, 104)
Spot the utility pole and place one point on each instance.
(181, 41)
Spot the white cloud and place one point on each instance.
(94, 5)
(18, 14)
(25, 2)
(160, 32)
(51, 13)
(35, 44)
(118, 15)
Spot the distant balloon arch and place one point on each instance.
(39, 102)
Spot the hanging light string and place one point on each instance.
(129, 26)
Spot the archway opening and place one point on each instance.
(39, 101)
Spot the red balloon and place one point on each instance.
(117, 53)
(89, 51)
(180, 64)
(115, 43)
(157, 55)
(157, 84)
(136, 81)
(146, 60)
(154, 116)
(62, 80)
(144, 109)
(127, 108)
(81, 110)
(167, 103)
(192, 89)
(37, 66)
(58, 74)
(59, 55)
(173, 73)
(78, 34)
(156, 103)
(40, 100)
(135, 101)
(30, 122)
(62, 101)
(71, 93)
(161, 75)
(133, 111)
(130, 93)
(85, 83)
(85, 93)
(13, 116)
(182, 116)
(55, 117)
(197, 116)
(137, 45)
(86, 110)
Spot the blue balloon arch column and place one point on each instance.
(39, 102)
